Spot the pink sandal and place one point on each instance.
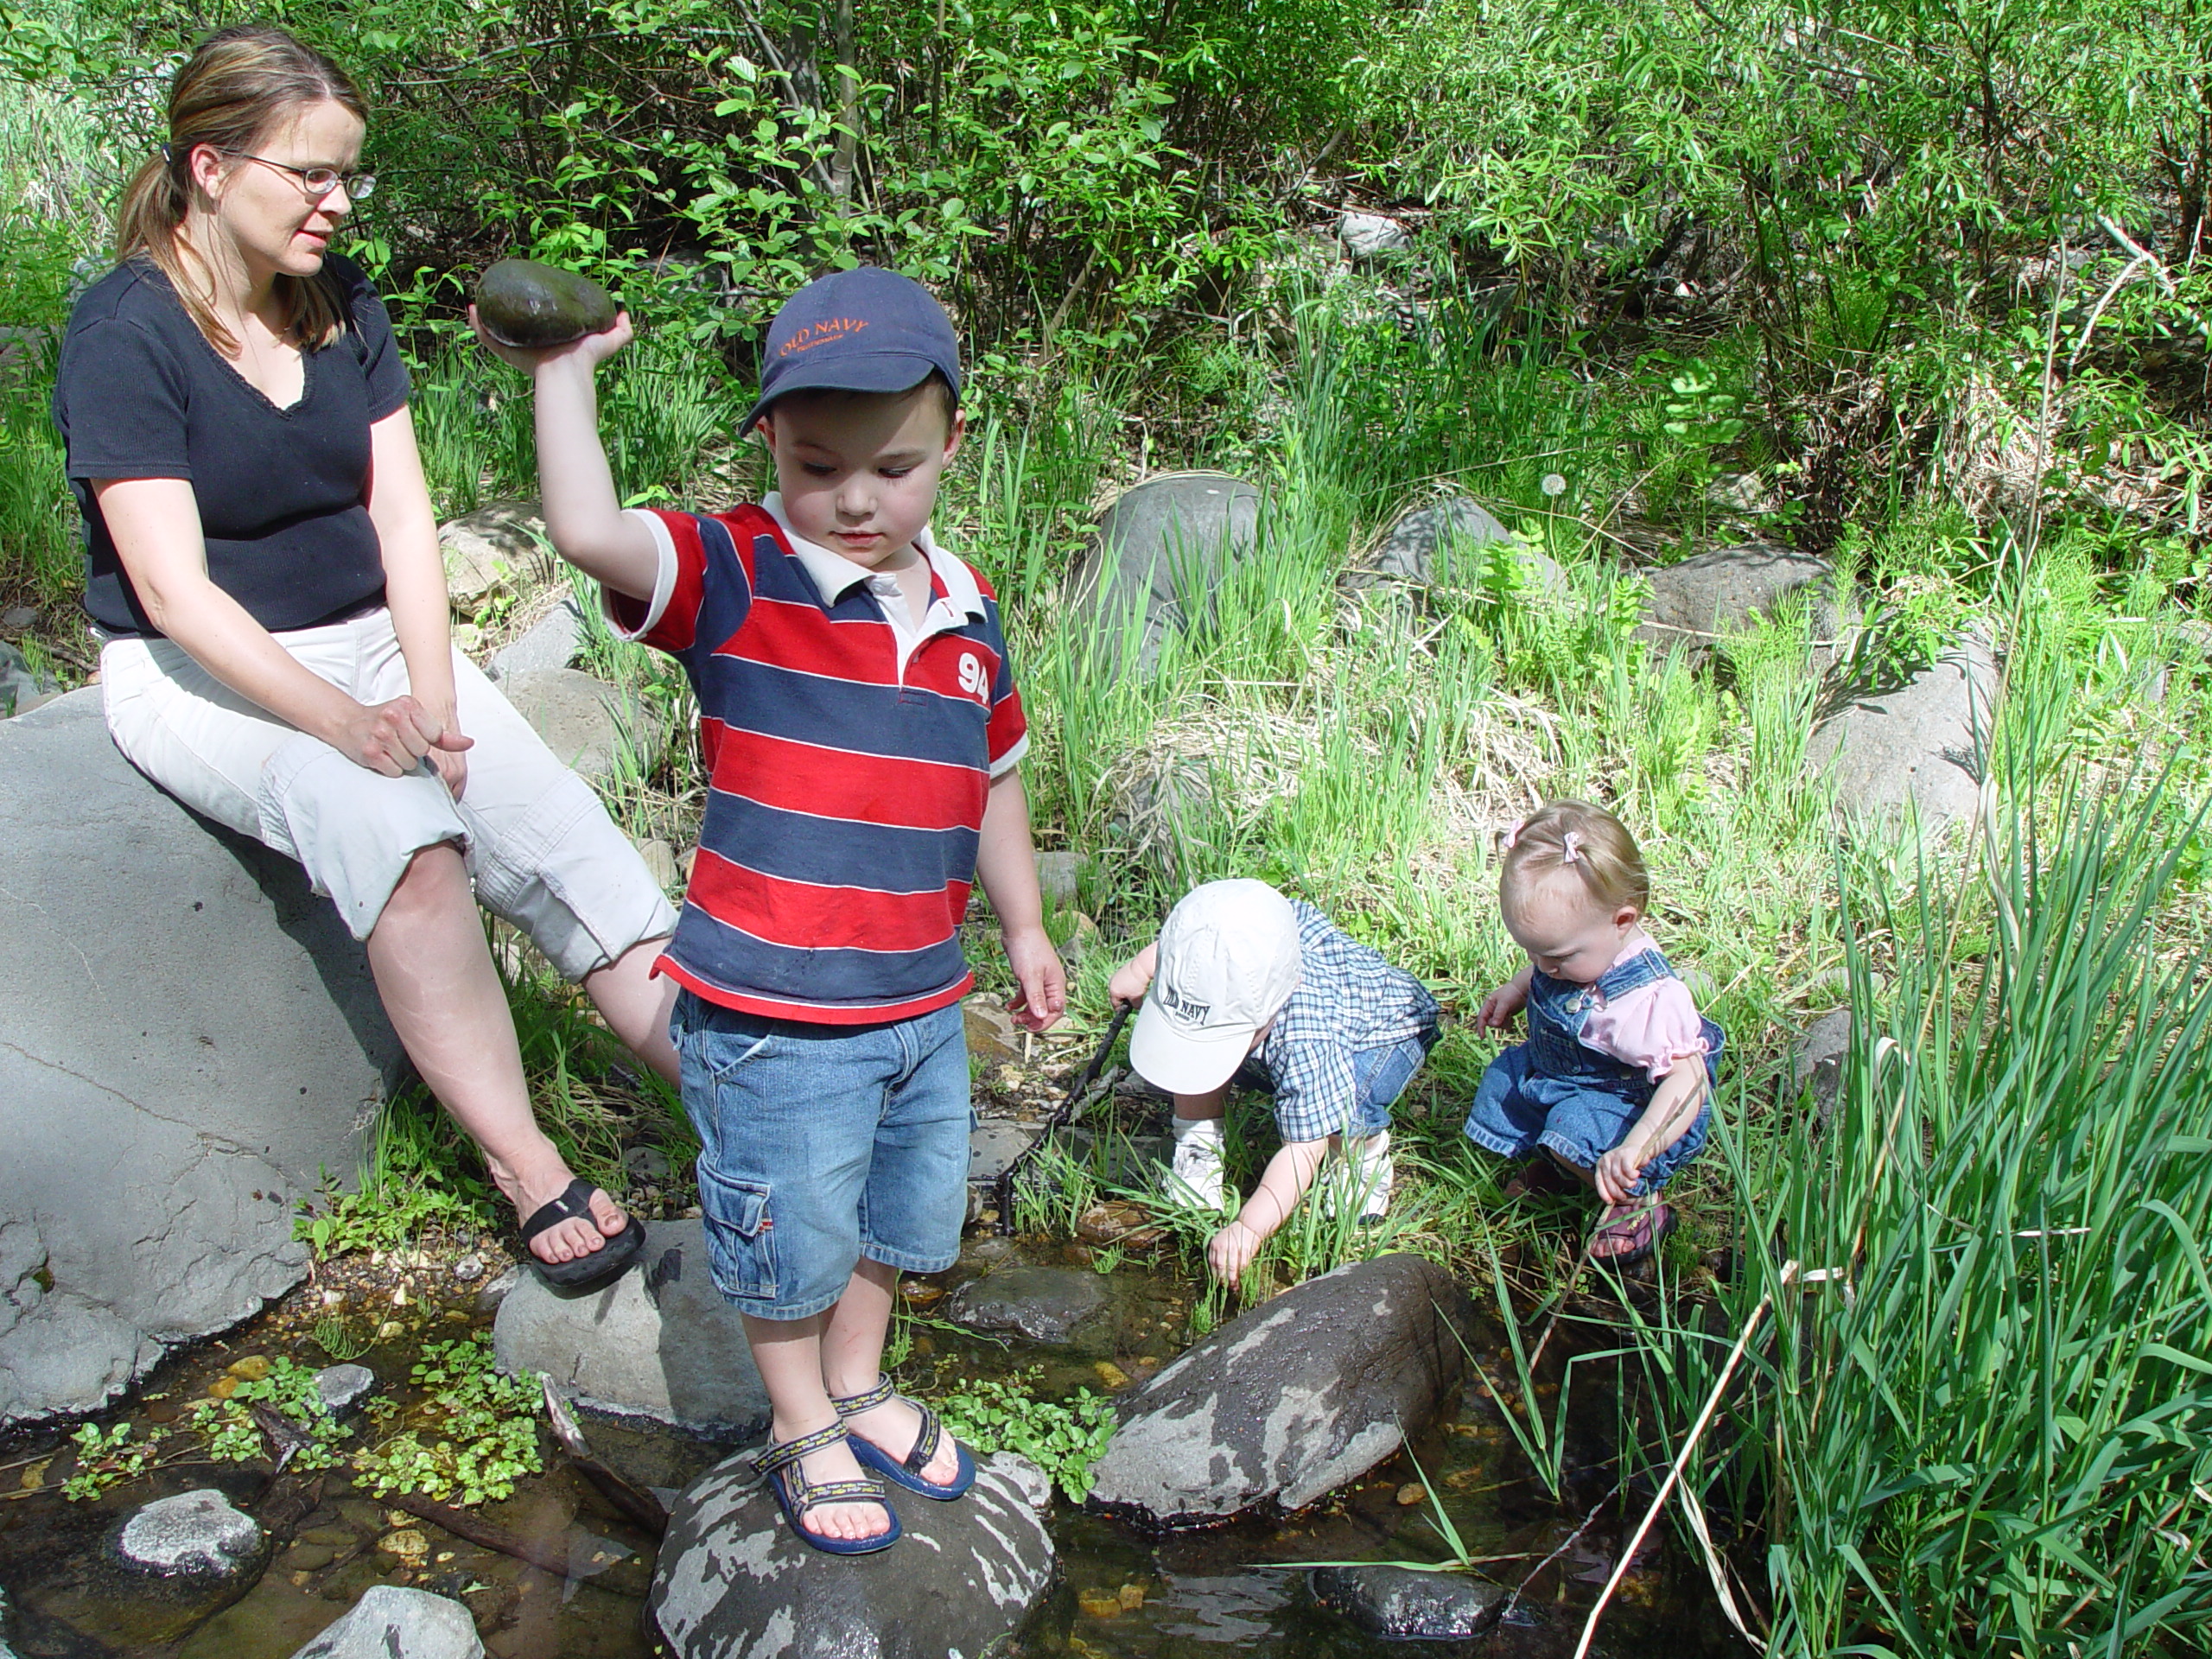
(1635, 1230)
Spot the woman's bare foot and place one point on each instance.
(547, 1176)
(894, 1427)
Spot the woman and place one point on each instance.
(263, 559)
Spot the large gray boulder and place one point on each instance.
(1893, 744)
(492, 548)
(734, 1582)
(391, 1622)
(1290, 1400)
(191, 1038)
(1156, 557)
(553, 641)
(1422, 546)
(591, 726)
(1698, 600)
(1038, 1304)
(660, 1343)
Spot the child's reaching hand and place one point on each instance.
(1230, 1251)
(1502, 1004)
(1618, 1171)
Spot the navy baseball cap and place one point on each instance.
(862, 330)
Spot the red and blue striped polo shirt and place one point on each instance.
(849, 763)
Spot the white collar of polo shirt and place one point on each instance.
(834, 575)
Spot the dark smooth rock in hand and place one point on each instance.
(1287, 1403)
(734, 1581)
(522, 302)
(390, 1622)
(1045, 1305)
(1395, 1601)
(1159, 553)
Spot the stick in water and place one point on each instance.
(1682, 1458)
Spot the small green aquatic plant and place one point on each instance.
(289, 1390)
(107, 1457)
(470, 1442)
(1063, 1438)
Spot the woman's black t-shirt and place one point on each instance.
(141, 393)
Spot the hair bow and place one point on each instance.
(1570, 846)
(1512, 833)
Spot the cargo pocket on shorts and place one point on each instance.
(741, 1235)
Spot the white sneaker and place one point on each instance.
(1195, 1175)
(1361, 1177)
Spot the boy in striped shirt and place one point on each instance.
(862, 735)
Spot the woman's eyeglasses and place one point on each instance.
(320, 181)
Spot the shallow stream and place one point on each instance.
(1120, 1593)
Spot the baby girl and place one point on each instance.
(1612, 1087)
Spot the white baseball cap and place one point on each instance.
(1228, 961)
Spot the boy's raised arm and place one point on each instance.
(583, 516)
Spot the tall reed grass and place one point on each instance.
(1979, 1425)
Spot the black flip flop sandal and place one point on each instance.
(604, 1265)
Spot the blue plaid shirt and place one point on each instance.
(1348, 1000)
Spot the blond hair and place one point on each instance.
(1585, 839)
(235, 86)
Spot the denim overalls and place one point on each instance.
(1575, 1102)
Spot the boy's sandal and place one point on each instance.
(907, 1473)
(1637, 1228)
(588, 1272)
(1541, 1178)
(796, 1494)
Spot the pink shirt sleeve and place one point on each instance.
(1651, 1027)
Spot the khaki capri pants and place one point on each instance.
(540, 846)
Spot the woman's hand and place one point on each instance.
(391, 738)
(589, 352)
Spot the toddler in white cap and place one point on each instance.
(1247, 987)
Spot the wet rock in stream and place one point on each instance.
(341, 1388)
(1292, 1399)
(392, 1623)
(734, 1580)
(1398, 1602)
(1046, 1305)
(178, 1560)
(660, 1343)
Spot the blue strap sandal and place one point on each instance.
(796, 1494)
(908, 1472)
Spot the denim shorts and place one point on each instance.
(1379, 1076)
(1516, 1112)
(819, 1145)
